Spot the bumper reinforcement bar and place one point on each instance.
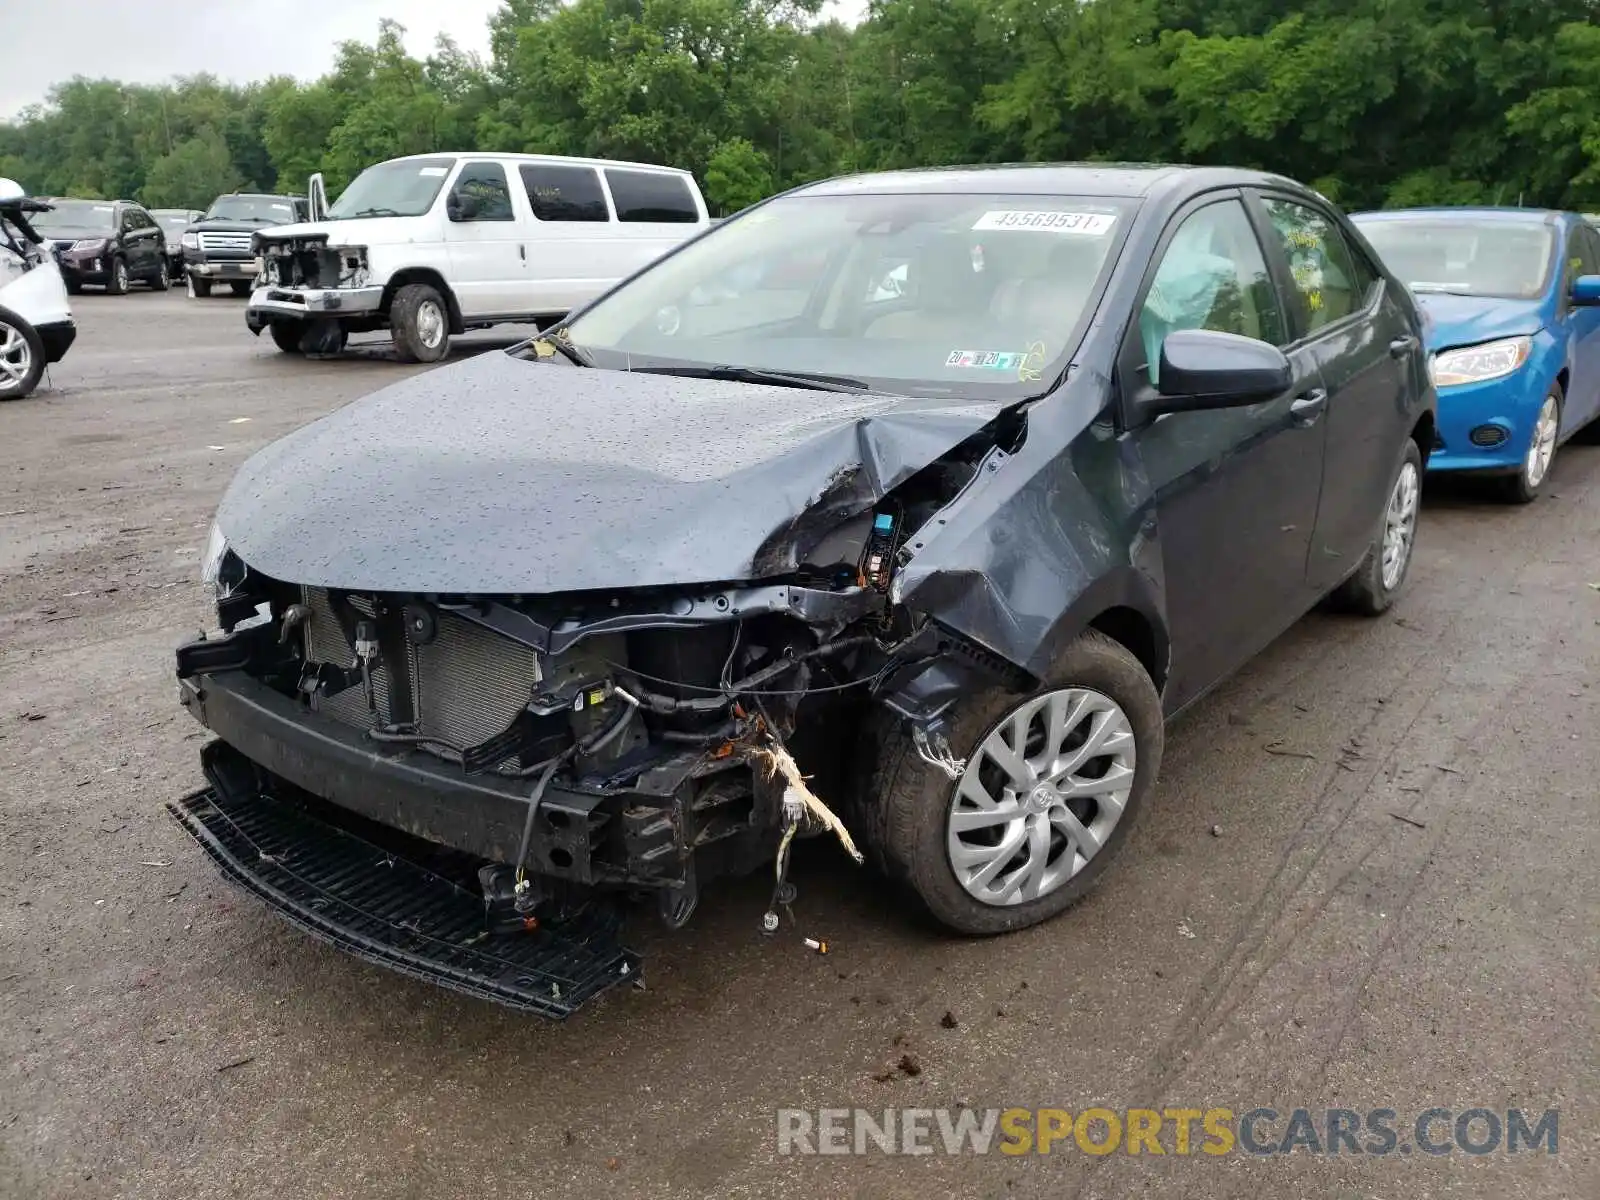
(387, 910)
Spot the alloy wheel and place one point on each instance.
(1400, 525)
(16, 358)
(1041, 796)
(1543, 447)
(120, 270)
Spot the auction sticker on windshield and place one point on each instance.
(984, 360)
(1092, 224)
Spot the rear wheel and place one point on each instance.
(21, 356)
(1382, 573)
(420, 324)
(117, 278)
(287, 335)
(1523, 487)
(1050, 788)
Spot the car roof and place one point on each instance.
(553, 159)
(1512, 216)
(1108, 180)
(258, 196)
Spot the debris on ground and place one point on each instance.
(948, 1021)
(238, 1062)
(1184, 930)
(1408, 820)
(1279, 749)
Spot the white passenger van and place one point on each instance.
(436, 244)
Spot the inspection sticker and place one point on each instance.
(984, 360)
(1092, 224)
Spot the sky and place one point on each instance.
(43, 42)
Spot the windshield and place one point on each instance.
(932, 294)
(405, 188)
(1460, 256)
(267, 210)
(74, 214)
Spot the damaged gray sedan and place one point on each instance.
(902, 509)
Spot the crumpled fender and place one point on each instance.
(1027, 557)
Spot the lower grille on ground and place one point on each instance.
(380, 907)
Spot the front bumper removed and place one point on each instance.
(390, 900)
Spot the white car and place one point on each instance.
(436, 244)
(36, 326)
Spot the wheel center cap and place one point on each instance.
(1041, 798)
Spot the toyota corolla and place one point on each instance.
(902, 509)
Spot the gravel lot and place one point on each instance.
(1322, 951)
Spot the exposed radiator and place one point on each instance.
(467, 685)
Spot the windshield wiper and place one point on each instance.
(796, 379)
(378, 212)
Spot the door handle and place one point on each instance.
(1307, 408)
(522, 252)
(1402, 346)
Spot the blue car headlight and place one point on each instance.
(1478, 364)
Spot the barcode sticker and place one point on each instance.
(1090, 224)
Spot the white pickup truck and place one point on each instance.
(436, 244)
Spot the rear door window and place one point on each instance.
(1327, 288)
(652, 197)
(559, 193)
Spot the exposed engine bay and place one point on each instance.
(638, 742)
(310, 262)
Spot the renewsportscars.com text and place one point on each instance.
(1169, 1131)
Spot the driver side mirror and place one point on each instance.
(1586, 291)
(1205, 368)
(461, 206)
(11, 191)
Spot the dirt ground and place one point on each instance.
(1398, 907)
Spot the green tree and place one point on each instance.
(738, 176)
(196, 172)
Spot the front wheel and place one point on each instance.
(287, 335)
(21, 356)
(239, 289)
(1050, 788)
(419, 324)
(1377, 582)
(1523, 487)
(199, 289)
(117, 280)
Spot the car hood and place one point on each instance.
(358, 231)
(76, 235)
(503, 475)
(220, 225)
(1467, 320)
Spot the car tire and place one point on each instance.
(287, 335)
(159, 281)
(199, 289)
(1524, 486)
(1378, 581)
(239, 289)
(117, 278)
(420, 324)
(21, 356)
(915, 818)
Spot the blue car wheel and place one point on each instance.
(1524, 486)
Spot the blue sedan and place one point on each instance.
(1512, 301)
